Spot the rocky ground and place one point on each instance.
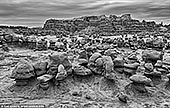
(93, 91)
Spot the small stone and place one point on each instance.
(122, 97)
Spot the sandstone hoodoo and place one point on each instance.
(59, 58)
(40, 68)
(22, 73)
(81, 70)
(138, 84)
(167, 84)
(130, 69)
(62, 73)
(152, 56)
(161, 67)
(132, 58)
(149, 67)
(94, 57)
(119, 64)
(44, 81)
(85, 62)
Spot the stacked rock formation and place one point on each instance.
(22, 73)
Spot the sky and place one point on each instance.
(34, 12)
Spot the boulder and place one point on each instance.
(23, 70)
(141, 69)
(151, 56)
(155, 73)
(94, 57)
(99, 62)
(131, 66)
(163, 69)
(111, 52)
(118, 62)
(158, 64)
(83, 55)
(40, 68)
(81, 70)
(53, 70)
(149, 67)
(83, 62)
(60, 58)
(138, 84)
(108, 64)
(62, 73)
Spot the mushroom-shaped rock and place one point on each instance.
(40, 68)
(138, 84)
(83, 62)
(149, 67)
(81, 70)
(62, 73)
(111, 52)
(83, 55)
(140, 79)
(60, 58)
(22, 72)
(163, 69)
(158, 64)
(151, 56)
(141, 69)
(154, 73)
(94, 57)
(155, 76)
(53, 70)
(130, 69)
(119, 64)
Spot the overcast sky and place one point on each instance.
(35, 12)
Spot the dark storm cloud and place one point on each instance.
(35, 12)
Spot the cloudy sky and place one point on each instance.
(35, 12)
